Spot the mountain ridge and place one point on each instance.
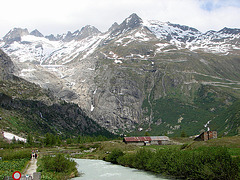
(181, 36)
(135, 21)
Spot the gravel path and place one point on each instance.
(32, 167)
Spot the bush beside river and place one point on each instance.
(57, 167)
(200, 163)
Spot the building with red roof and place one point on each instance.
(147, 140)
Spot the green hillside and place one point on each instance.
(179, 90)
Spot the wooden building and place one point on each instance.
(205, 136)
(147, 140)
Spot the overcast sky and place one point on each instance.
(60, 16)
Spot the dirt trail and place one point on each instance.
(32, 167)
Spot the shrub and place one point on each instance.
(219, 164)
(114, 155)
(202, 163)
(127, 159)
(57, 164)
(142, 158)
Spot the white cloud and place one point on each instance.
(58, 16)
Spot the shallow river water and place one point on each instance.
(101, 170)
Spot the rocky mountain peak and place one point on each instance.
(51, 37)
(132, 22)
(210, 32)
(68, 37)
(15, 35)
(229, 31)
(89, 28)
(87, 31)
(36, 33)
(113, 27)
(78, 35)
(183, 27)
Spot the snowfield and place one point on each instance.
(10, 136)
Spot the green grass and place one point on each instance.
(11, 154)
(229, 142)
(13, 160)
(8, 167)
(157, 147)
(234, 151)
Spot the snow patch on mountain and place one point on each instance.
(10, 136)
(43, 51)
(168, 31)
(118, 61)
(92, 107)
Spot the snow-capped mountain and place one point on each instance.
(112, 75)
(34, 47)
(36, 33)
(169, 31)
(65, 48)
(15, 35)
(224, 41)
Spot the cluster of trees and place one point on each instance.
(50, 139)
(202, 163)
(55, 140)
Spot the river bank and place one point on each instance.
(218, 158)
(200, 163)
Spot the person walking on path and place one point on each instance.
(36, 154)
(33, 154)
(32, 166)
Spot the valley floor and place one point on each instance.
(101, 150)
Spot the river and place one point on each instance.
(101, 170)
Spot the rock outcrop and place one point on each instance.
(15, 35)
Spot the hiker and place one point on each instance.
(33, 154)
(36, 154)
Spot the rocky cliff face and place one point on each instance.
(25, 108)
(6, 66)
(15, 35)
(36, 33)
(139, 75)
